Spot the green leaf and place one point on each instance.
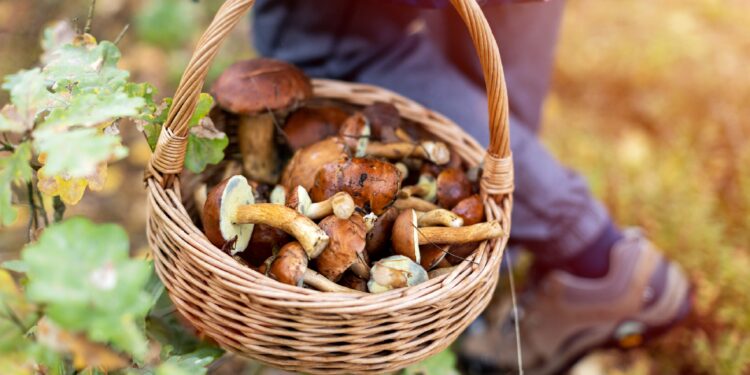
(13, 169)
(81, 68)
(91, 109)
(29, 95)
(54, 37)
(12, 121)
(16, 315)
(443, 363)
(77, 152)
(81, 272)
(202, 108)
(190, 364)
(205, 146)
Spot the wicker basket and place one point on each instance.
(305, 330)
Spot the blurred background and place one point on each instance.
(650, 101)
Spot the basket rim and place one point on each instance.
(239, 278)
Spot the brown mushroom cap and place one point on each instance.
(405, 238)
(355, 132)
(434, 256)
(345, 247)
(256, 86)
(216, 218)
(309, 125)
(452, 187)
(471, 209)
(373, 184)
(352, 281)
(306, 162)
(384, 120)
(380, 234)
(264, 240)
(458, 253)
(289, 265)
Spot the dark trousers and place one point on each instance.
(427, 56)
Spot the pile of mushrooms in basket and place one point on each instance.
(335, 197)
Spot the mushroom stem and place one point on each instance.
(340, 204)
(403, 135)
(426, 189)
(471, 233)
(310, 236)
(403, 170)
(436, 152)
(414, 203)
(319, 282)
(439, 217)
(278, 195)
(256, 141)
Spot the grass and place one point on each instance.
(649, 102)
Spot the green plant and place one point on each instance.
(79, 302)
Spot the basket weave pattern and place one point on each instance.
(305, 330)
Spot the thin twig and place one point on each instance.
(89, 17)
(121, 34)
(41, 205)
(33, 223)
(515, 312)
(14, 318)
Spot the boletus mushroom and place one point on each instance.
(230, 213)
(436, 152)
(355, 132)
(414, 203)
(340, 204)
(384, 120)
(346, 248)
(309, 125)
(372, 183)
(263, 243)
(289, 266)
(407, 236)
(259, 91)
(452, 187)
(379, 232)
(395, 272)
(426, 188)
(434, 256)
(307, 161)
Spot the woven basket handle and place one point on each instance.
(168, 157)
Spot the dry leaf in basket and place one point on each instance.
(231, 211)
(259, 91)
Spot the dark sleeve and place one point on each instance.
(445, 3)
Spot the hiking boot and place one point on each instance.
(562, 317)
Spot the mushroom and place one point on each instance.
(230, 212)
(263, 243)
(259, 91)
(289, 266)
(309, 125)
(434, 256)
(278, 195)
(384, 121)
(307, 161)
(355, 132)
(340, 204)
(407, 236)
(346, 248)
(436, 152)
(395, 272)
(439, 217)
(403, 170)
(380, 232)
(414, 203)
(353, 281)
(426, 189)
(452, 187)
(372, 183)
(471, 209)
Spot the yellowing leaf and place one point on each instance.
(14, 169)
(85, 353)
(71, 189)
